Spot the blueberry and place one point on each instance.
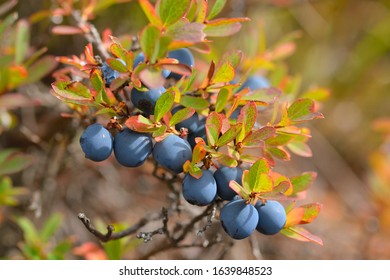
(255, 82)
(272, 217)
(132, 148)
(141, 58)
(192, 123)
(200, 132)
(172, 153)
(200, 191)
(146, 100)
(96, 142)
(223, 176)
(184, 56)
(239, 219)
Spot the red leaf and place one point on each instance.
(141, 124)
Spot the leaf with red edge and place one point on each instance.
(164, 104)
(303, 182)
(229, 135)
(260, 167)
(186, 32)
(178, 68)
(170, 11)
(224, 26)
(181, 115)
(140, 124)
(209, 76)
(151, 77)
(224, 73)
(265, 96)
(301, 234)
(98, 84)
(120, 52)
(238, 189)
(300, 149)
(89, 56)
(213, 128)
(150, 12)
(294, 217)
(311, 212)
(117, 65)
(224, 159)
(256, 137)
(198, 153)
(202, 10)
(72, 92)
(247, 117)
(222, 98)
(279, 153)
(299, 111)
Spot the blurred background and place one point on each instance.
(339, 46)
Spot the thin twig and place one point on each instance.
(148, 236)
(111, 235)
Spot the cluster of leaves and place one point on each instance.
(20, 64)
(267, 129)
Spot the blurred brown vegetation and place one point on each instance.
(344, 45)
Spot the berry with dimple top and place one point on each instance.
(131, 148)
(239, 219)
(272, 217)
(184, 56)
(192, 123)
(146, 100)
(96, 142)
(141, 58)
(223, 176)
(172, 153)
(200, 191)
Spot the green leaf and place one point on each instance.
(279, 139)
(213, 128)
(229, 135)
(247, 118)
(301, 110)
(260, 167)
(279, 153)
(72, 92)
(7, 23)
(150, 12)
(12, 161)
(198, 103)
(300, 149)
(8, 194)
(256, 137)
(170, 11)
(113, 249)
(224, 159)
(50, 227)
(303, 182)
(117, 65)
(216, 9)
(224, 27)
(22, 41)
(40, 69)
(149, 41)
(224, 73)
(301, 234)
(263, 97)
(311, 212)
(234, 57)
(263, 184)
(164, 104)
(222, 98)
(30, 233)
(98, 84)
(181, 115)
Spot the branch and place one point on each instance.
(93, 35)
(148, 236)
(111, 235)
